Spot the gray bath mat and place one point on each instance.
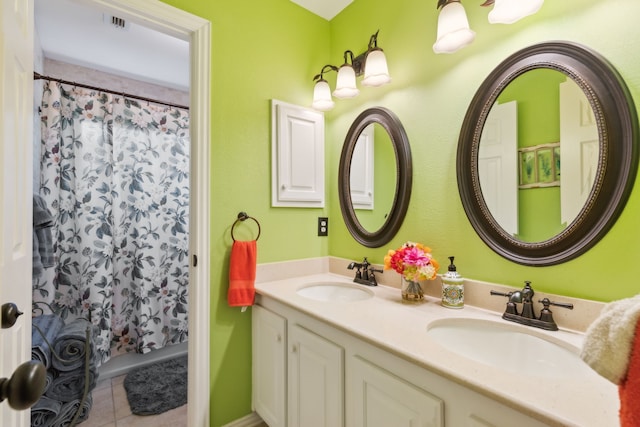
(157, 388)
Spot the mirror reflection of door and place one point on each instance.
(579, 150)
(498, 165)
(373, 177)
(362, 170)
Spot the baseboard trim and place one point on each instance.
(251, 420)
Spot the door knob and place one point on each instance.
(10, 314)
(25, 386)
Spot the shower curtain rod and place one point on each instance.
(38, 76)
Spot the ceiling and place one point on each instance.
(324, 8)
(79, 34)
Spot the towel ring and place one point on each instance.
(242, 216)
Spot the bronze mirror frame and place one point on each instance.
(404, 176)
(617, 123)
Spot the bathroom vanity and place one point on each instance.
(358, 356)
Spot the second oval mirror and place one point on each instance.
(375, 176)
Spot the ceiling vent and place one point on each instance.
(115, 22)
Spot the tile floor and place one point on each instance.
(111, 409)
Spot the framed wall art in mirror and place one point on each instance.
(576, 97)
(375, 177)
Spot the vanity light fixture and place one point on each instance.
(510, 11)
(371, 63)
(453, 27)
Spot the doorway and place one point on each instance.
(168, 20)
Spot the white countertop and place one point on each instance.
(400, 328)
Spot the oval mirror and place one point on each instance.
(375, 177)
(547, 154)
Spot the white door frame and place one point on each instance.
(178, 23)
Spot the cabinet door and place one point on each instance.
(316, 380)
(269, 366)
(297, 156)
(381, 399)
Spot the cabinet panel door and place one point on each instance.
(297, 156)
(269, 366)
(316, 380)
(381, 399)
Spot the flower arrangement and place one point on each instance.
(413, 260)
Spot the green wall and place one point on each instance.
(260, 50)
(430, 93)
(264, 49)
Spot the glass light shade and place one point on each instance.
(453, 29)
(322, 96)
(510, 11)
(346, 83)
(376, 72)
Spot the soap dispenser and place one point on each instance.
(452, 287)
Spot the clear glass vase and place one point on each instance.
(411, 291)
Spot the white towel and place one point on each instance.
(609, 339)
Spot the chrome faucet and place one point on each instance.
(527, 315)
(365, 273)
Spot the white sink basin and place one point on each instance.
(521, 350)
(335, 292)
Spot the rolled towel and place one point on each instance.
(70, 345)
(69, 409)
(69, 385)
(44, 412)
(51, 375)
(48, 325)
(609, 339)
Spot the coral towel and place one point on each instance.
(629, 388)
(242, 273)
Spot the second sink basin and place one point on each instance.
(510, 347)
(335, 292)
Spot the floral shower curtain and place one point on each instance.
(115, 176)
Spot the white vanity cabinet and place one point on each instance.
(298, 376)
(335, 378)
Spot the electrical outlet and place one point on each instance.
(323, 226)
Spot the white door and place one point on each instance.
(498, 165)
(16, 188)
(579, 150)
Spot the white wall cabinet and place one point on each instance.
(335, 379)
(297, 156)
